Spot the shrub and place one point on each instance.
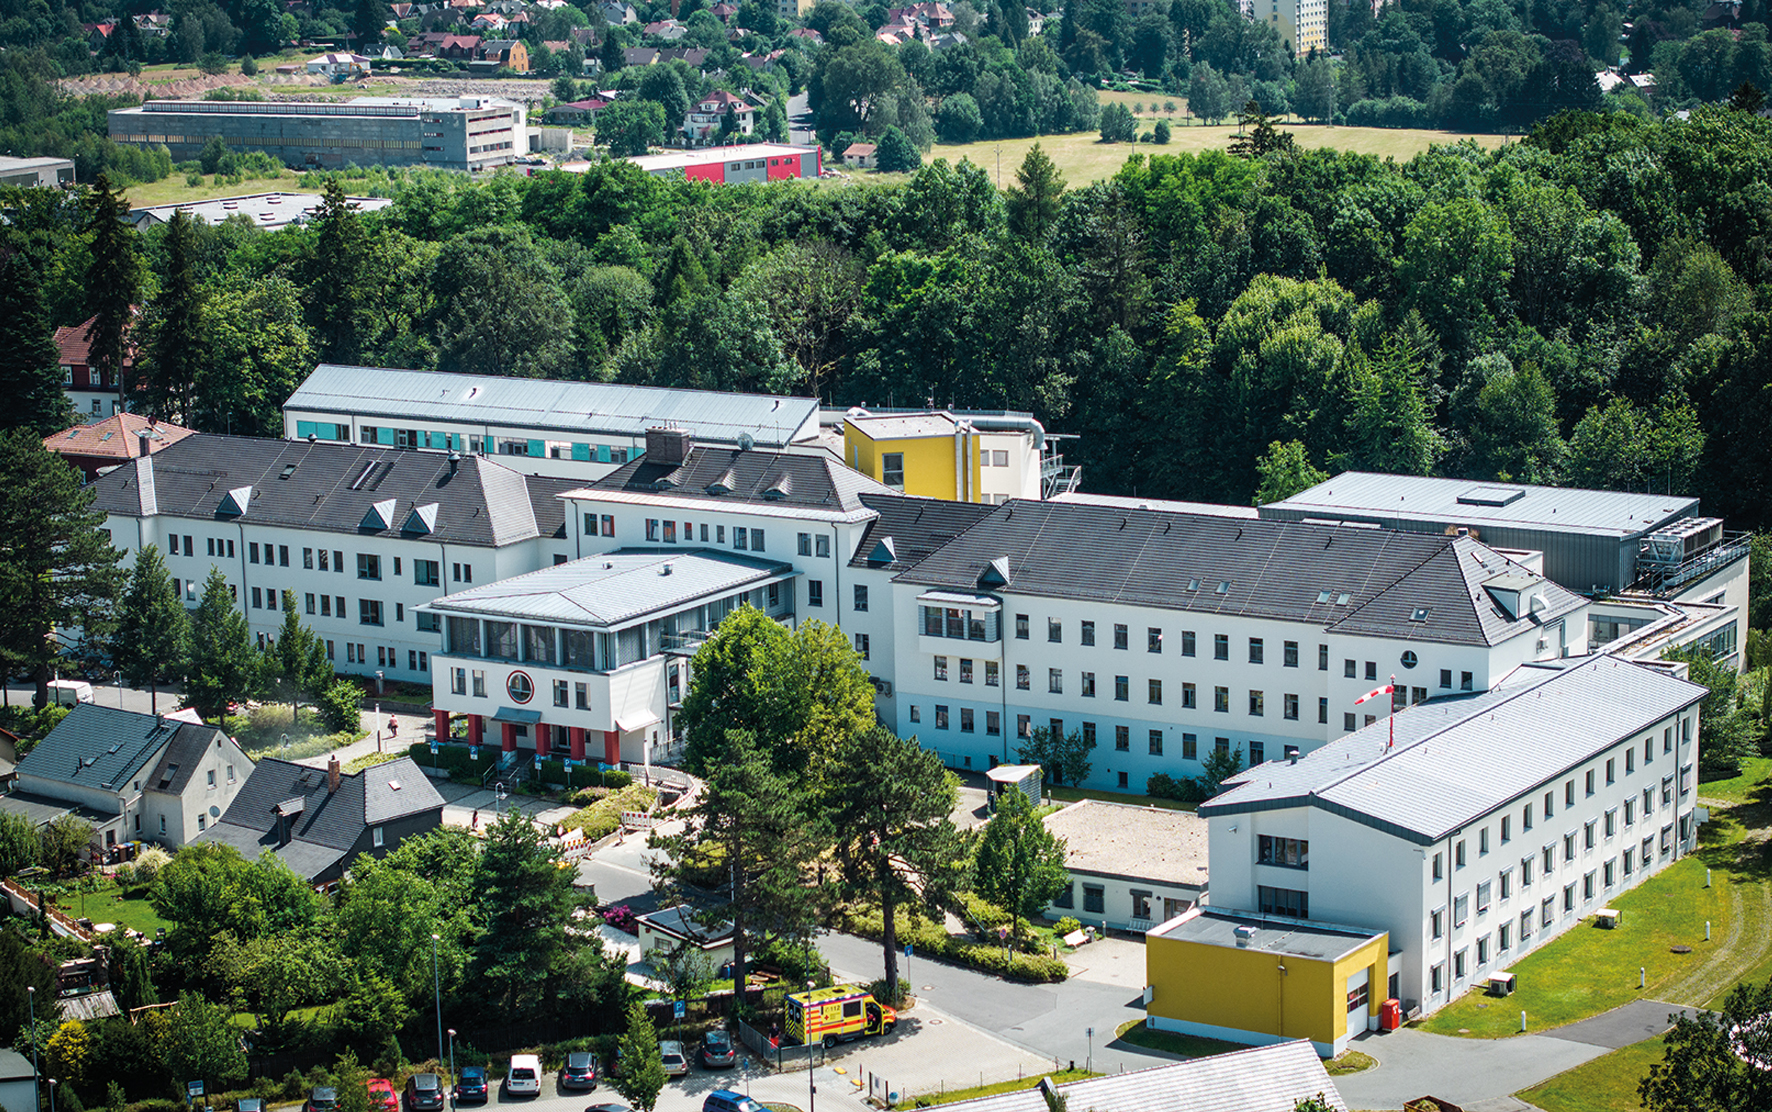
(877, 989)
(1183, 789)
(621, 917)
(1066, 925)
(248, 66)
(983, 916)
(341, 706)
(213, 63)
(1160, 133)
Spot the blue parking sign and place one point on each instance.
(677, 1009)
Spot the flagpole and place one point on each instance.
(1393, 715)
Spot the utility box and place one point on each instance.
(1501, 984)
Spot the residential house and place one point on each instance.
(860, 155)
(707, 117)
(464, 47)
(638, 55)
(1135, 867)
(135, 777)
(339, 66)
(488, 21)
(668, 29)
(1265, 1079)
(359, 537)
(615, 11)
(1470, 830)
(385, 52)
(117, 439)
(508, 54)
(695, 56)
(8, 757)
(157, 24)
(93, 391)
(808, 34)
(665, 932)
(725, 12)
(318, 821)
(18, 1083)
(577, 112)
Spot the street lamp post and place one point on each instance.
(378, 692)
(806, 1038)
(36, 1091)
(452, 1099)
(52, 1094)
(437, 986)
(1089, 1062)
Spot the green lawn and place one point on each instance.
(1072, 795)
(1750, 785)
(1589, 970)
(1135, 1032)
(1606, 1084)
(107, 905)
(949, 1096)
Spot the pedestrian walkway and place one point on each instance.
(1623, 1026)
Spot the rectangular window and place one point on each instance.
(1155, 693)
(990, 673)
(1054, 630)
(1055, 681)
(1089, 735)
(993, 723)
(1612, 822)
(941, 668)
(1190, 747)
(1221, 646)
(1122, 689)
(1290, 707)
(941, 716)
(1587, 834)
(1024, 726)
(1323, 710)
(1461, 908)
(1093, 899)
(1088, 685)
(861, 645)
(1153, 640)
(1122, 739)
(368, 566)
(1283, 901)
(257, 603)
(426, 573)
(562, 693)
(1590, 782)
(1483, 842)
(1120, 635)
(1350, 669)
(861, 597)
(1156, 740)
(1088, 634)
(1289, 853)
(1022, 677)
(805, 544)
(966, 721)
(1190, 696)
(892, 469)
(814, 590)
(252, 552)
(1439, 867)
(1446, 678)
(1290, 660)
(1568, 898)
(368, 612)
(1506, 826)
(757, 540)
(1507, 883)
(1256, 652)
(965, 669)
(1437, 923)
(1257, 704)
(1464, 681)
(1458, 861)
(1437, 979)
(1482, 951)
(1221, 700)
(1187, 642)
(1483, 892)
(1322, 658)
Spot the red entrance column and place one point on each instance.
(442, 720)
(544, 739)
(509, 732)
(575, 739)
(476, 730)
(612, 747)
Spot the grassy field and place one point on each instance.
(1135, 1032)
(1606, 1084)
(1083, 158)
(107, 905)
(949, 1096)
(1589, 970)
(1072, 795)
(173, 190)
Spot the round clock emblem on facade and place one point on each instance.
(520, 687)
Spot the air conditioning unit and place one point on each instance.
(883, 688)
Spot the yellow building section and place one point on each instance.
(930, 455)
(1260, 979)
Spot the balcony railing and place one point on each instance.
(1661, 579)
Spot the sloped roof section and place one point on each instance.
(1456, 759)
(179, 761)
(102, 748)
(811, 481)
(1191, 562)
(1261, 1079)
(912, 528)
(341, 488)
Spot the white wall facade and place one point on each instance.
(288, 559)
(1103, 900)
(173, 820)
(1431, 897)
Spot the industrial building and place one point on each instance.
(29, 172)
(1470, 831)
(269, 211)
(1635, 550)
(449, 133)
(545, 426)
(752, 162)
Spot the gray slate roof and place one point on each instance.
(1457, 759)
(1261, 1079)
(310, 486)
(106, 748)
(584, 408)
(178, 763)
(614, 589)
(15, 1066)
(1268, 569)
(1412, 498)
(713, 475)
(912, 528)
(330, 823)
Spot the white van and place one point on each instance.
(524, 1078)
(68, 692)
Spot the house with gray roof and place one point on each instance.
(356, 536)
(1472, 829)
(135, 777)
(317, 821)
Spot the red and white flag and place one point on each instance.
(1375, 693)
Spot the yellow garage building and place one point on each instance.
(1251, 978)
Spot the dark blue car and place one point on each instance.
(470, 1087)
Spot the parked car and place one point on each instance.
(609, 1108)
(578, 1072)
(250, 1104)
(716, 1052)
(470, 1087)
(382, 1097)
(523, 1079)
(725, 1100)
(322, 1099)
(676, 1064)
(424, 1093)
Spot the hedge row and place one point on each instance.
(461, 767)
(932, 940)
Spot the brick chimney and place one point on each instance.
(667, 446)
(332, 775)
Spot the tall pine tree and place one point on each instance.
(152, 646)
(175, 341)
(224, 665)
(334, 273)
(113, 282)
(58, 571)
(30, 381)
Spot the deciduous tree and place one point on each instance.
(203, 1043)
(642, 1075)
(1284, 471)
(1713, 1061)
(1065, 757)
(896, 154)
(1020, 864)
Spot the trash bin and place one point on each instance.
(1390, 1017)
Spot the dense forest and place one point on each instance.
(1588, 306)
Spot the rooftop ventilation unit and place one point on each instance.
(1491, 496)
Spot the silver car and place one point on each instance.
(676, 1063)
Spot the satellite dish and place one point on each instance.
(746, 442)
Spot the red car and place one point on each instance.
(382, 1097)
